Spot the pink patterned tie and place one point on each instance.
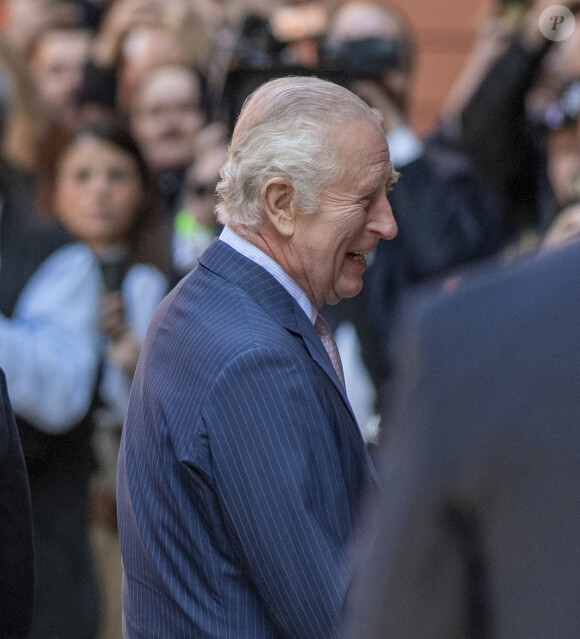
(330, 345)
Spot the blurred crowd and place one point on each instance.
(114, 123)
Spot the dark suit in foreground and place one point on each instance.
(476, 533)
(16, 555)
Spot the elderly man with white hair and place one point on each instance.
(242, 465)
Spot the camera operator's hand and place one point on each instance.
(376, 97)
(125, 348)
(120, 18)
(113, 323)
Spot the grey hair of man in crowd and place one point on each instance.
(287, 128)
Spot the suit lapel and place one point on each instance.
(226, 262)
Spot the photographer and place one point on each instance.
(498, 127)
(563, 122)
(447, 216)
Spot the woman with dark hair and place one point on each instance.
(98, 186)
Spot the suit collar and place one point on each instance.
(239, 270)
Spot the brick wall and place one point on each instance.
(445, 32)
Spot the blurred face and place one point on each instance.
(57, 65)
(200, 183)
(166, 118)
(329, 246)
(564, 164)
(98, 192)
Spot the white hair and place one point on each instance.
(287, 128)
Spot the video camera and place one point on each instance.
(260, 55)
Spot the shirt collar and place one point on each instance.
(256, 255)
(404, 146)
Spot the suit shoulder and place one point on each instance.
(492, 303)
(208, 321)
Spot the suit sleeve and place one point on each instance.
(16, 556)
(275, 477)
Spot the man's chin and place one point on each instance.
(345, 292)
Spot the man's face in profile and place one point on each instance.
(329, 246)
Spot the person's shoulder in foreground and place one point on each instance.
(242, 466)
(16, 554)
(475, 533)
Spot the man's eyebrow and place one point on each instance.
(387, 176)
(394, 175)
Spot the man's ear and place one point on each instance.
(278, 204)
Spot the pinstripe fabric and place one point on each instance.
(241, 465)
(258, 256)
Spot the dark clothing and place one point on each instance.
(16, 554)
(67, 599)
(509, 148)
(447, 217)
(59, 466)
(99, 86)
(26, 241)
(476, 532)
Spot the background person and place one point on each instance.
(165, 117)
(100, 189)
(56, 57)
(195, 225)
(16, 552)
(497, 125)
(49, 349)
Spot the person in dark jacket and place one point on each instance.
(475, 534)
(16, 553)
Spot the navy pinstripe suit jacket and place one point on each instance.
(241, 465)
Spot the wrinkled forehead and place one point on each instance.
(363, 148)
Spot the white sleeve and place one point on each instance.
(49, 349)
(143, 290)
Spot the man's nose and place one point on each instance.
(382, 221)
